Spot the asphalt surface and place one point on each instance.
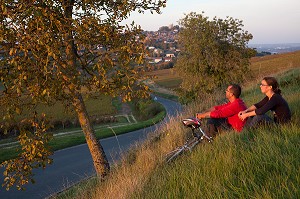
(73, 164)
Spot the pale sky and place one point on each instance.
(269, 21)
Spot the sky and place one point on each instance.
(269, 21)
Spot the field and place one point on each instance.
(63, 120)
(267, 65)
(60, 112)
(260, 66)
(100, 106)
(167, 78)
(257, 163)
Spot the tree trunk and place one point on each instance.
(99, 158)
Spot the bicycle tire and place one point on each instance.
(173, 154)
(188, 146)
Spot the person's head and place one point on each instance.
(269, 83)
(233, 90)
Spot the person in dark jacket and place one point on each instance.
(272, 102)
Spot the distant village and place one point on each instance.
(162, 47)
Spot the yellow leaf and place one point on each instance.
(11, 52)
(18, 111)
(18, 90)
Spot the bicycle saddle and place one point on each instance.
(191, 122)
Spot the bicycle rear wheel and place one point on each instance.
(173, 154)
(189, 145)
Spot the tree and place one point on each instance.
(213, 53)
(164, 29)
(54, 51)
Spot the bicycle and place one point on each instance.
(198, 135)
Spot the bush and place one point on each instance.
(146, 109)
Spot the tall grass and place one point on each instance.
(262, 163)
(257, 163)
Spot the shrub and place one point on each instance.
(146, 109)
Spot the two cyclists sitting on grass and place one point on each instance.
(235, 115)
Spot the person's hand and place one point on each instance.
(242, 112)
(199, 115)
(242, 115)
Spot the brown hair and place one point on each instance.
(271, 81)
(235, 90)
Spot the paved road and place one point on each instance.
(75, 163)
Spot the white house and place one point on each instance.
(170, 55)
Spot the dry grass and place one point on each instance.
(134, 170)
(131, 173)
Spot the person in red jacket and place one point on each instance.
(225, 116)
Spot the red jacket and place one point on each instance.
(230, 111)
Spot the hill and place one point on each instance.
(277, 63)
(258, 163)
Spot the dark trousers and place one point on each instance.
(258, 120)
(214, 125)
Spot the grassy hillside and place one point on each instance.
(267, 65)
(260, 163)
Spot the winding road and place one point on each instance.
(73, 164)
